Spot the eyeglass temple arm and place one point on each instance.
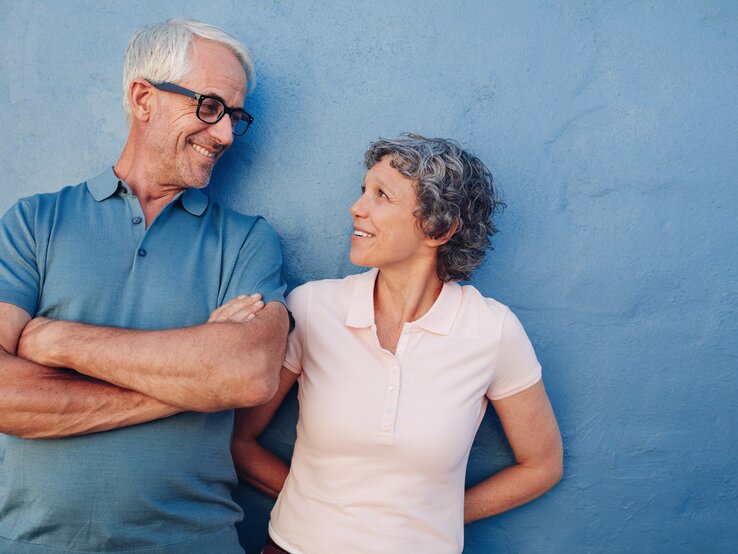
(171, 87)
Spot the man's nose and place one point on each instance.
(222, 131)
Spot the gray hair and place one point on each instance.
(160, 53)
(453, 188)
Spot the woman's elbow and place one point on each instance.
(554, 469)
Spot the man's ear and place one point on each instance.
(142, 99)
(440, 241)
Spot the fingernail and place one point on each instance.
(241, 296)
(255, 295)
(250, 317)
(258, 304)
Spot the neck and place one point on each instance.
(141, 179)
(406, 294)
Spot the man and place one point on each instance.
(116, 392)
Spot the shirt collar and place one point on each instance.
(106, 184)
(439, 319)
(361, 309)
(194, 201)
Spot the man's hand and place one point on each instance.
(241, 308)
(37, 341)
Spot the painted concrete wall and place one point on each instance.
(611, 129)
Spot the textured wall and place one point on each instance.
(611, 128)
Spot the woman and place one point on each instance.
(395, 367)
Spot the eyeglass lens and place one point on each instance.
(211, 110)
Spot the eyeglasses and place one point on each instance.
(211, 109)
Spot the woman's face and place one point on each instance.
(386, 232)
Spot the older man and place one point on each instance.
(116, 392)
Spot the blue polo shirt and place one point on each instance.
(84, 254)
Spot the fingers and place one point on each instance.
(241, 308)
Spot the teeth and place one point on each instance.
(363, 234)
(203, 151)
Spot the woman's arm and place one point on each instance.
(530, 427)
(254, 463)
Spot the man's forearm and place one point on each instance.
(208, 367)
(42, 402)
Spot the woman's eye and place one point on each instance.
(381, 194)
(363, 189)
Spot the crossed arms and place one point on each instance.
(62, 378)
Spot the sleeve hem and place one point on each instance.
(519, 388)
(291, 367)
(23, 302)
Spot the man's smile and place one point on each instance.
(201, 150)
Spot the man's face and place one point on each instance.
(184, 148)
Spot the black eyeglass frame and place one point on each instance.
(176, 89)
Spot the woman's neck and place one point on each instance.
(402, 296)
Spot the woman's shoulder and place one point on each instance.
(324, 286)
(496, 318)
(485, 305)
(331, 291)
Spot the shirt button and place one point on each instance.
(389, 410)
(142, 252)
(136, 220)
(392, 389)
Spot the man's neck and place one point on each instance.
(152, 195)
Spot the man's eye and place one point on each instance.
(363, 189)
(210, 108)
(381, 194)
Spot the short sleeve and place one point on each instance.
(19, 274)
(517, 367)
(259, 266)
(297, 303)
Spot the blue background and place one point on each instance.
(611, 130)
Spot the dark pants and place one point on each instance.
(271, 547)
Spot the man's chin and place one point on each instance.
(200, 180)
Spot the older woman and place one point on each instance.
(395, 367)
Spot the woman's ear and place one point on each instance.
(141, 98)
(440, 241)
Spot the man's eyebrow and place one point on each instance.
(220, 99)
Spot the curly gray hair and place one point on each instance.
(453, 188)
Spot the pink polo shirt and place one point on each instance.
(383, 439)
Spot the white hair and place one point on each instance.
(161, 53)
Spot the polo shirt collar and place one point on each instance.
(439, 319)
(194, 201)
(361, 309)
(106, 185)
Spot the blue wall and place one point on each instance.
(611, 128)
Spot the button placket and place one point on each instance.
(404, 338)
(135, 224)
(391, 397)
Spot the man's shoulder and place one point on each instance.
(42, 200)
(228, 214)
(234, 221)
